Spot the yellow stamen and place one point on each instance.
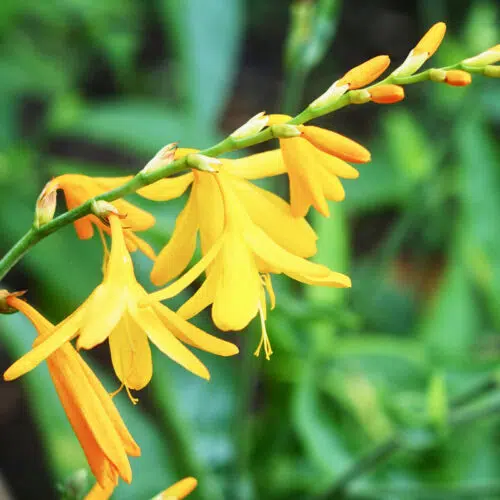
(105, 250)
(264, 339)
(114, 393)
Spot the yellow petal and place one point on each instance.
(85, 410)
(336, 144)
(280, 259)
(256, 166)
(336, 166)
(59, 336)
(305, 185)
(332, 187)
(130, 353)
(136, 218)
(238, 285)
(139, 243)
(274, 216)
(167, 189)
(105, 308)
(99, 492)
(278, 119)
(201, 299)
(208, 200)
(365, 73)
(332, 279)
(129, 443)
(192, 335)
(108, 183)
(180, 489)
(168, 343)
(185, 280)
(178, 252)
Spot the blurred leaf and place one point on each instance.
(437, 402)
(206, 35)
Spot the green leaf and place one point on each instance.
(206, 35)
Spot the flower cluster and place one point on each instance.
(246, 234)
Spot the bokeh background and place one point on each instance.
(385, 391)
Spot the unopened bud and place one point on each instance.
(285, 131)
(5, 308)
(458, 78)
(387, 94)
(365, 73)
(252, 126)
(165, 156)
(330, 96)
(490, 56)
(179, 490)
(103, 210)
(424, 49)
(492, 71)
(203, 163)
(359, 96)
(46, 204)
(437, 75)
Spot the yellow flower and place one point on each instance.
(79, 188)
(181, 489)
(314, 162)
(237, 252)
(268, 211)
(93, 416)
(112, 311)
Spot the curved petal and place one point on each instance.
(165, 340)
(104, 311)
(59, 336)
(167, 189)
(193, 335)
(108, 183)
(139, 243)
(130, 353)
(336, 166)
(336, 144)
(238, 285)
(257, 166)
(136, 218)
(332, 187)
(273, 215)
(305, 185)
(178, 252)
(201, 299)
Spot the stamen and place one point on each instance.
(114, 393)
(105, 250)
(264, 339)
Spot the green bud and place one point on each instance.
(437, 75)
(202, 162)
(285, 131)
(103, 210)
(359, 96)
(46, 204)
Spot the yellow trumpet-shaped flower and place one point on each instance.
(314, 162)
(237, 252)
(268, 211)
(181, 489)
(79, 188)
(112, 311)
(98, 426)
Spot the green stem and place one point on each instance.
(15, 254)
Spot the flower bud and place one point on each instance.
(5, 308)
(437, 75)
(285, 131)
(252, 126)
(458, 78)
(330, 96)
(165, 156)
(202, 162)
(424, 49)
(490, 56)
(103, 210)
(359, 96)
(178, 490)
(365, 73)
(46, 204)
(492, 71)
(387, 94)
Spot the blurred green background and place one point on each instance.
(386, 391)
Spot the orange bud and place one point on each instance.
(335, 144)
(387, 94)
(430, 42)
(365, 73)
(458, 78)
(180, 489)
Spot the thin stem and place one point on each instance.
(12, 257)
